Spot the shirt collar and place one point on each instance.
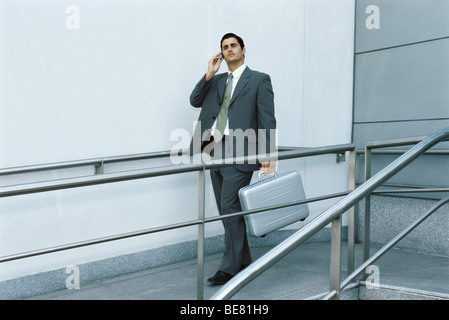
(238, 72)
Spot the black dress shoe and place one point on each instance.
(243, 266)
(219, 278)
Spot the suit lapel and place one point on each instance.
(244, 79)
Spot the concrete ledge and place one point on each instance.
(390, 215)
(45, 282)
(388, 292)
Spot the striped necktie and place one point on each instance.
(223, 113)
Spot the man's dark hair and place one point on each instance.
(232, 35)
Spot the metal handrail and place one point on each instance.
(86, 162)
(97, 162)
(401, 151)
(163, 228)
(103, 178)
(392, 242)
(373, 147)
(328, 216)
(66, 183)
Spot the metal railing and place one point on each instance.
(333, 215)
(371, 148)
(103, 178)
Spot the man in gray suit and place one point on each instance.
(237, 119)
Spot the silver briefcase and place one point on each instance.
(280, 189)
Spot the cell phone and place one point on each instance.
(221, 56)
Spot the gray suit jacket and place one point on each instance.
(251, 107)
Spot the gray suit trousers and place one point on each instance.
(226, 183)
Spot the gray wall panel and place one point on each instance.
(427, 170)
(430, 170)
(401, 22)
(368, 132)
(404, 83)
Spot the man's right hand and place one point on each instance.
(213, 66)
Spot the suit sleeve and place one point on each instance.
(266, 119)
(199, 92)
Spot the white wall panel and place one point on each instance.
(120, 84)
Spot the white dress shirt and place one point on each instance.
(236, 76)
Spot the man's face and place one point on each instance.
(232, 52)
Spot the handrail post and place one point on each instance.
(201, 216)
(335, 257)
(99, 168)
(367, 216)
(351, 212)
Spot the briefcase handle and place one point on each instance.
(273, 175)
